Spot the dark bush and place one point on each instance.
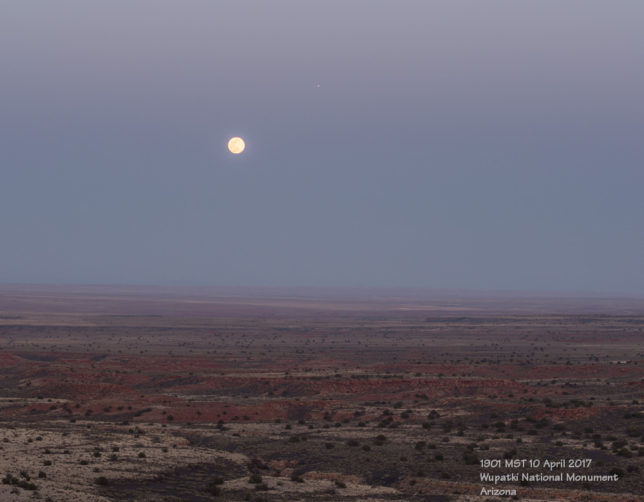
(470, 458)
(618, 471)
(213, 489)
(297, 478)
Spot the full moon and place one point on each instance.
(236, 145)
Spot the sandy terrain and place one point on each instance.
(110, 395)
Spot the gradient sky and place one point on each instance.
(441, 144)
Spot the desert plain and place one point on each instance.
(177, 394)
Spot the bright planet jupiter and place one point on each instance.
(236, 145)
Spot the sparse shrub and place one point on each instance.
(213, 489)
(470, 458)
(618, 471)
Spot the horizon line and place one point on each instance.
(517, 293)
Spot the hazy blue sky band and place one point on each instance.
(484, 145)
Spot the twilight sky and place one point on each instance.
(440, 144)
